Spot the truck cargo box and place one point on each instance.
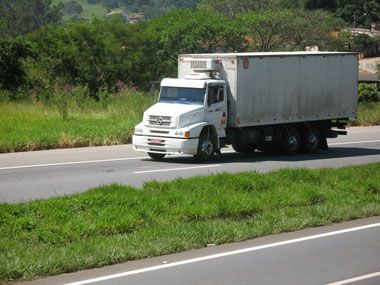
(284, 87)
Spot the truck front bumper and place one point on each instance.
(165, 145)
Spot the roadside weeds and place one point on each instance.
(116, 223)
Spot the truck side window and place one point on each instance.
(220, 93)
(215, 94)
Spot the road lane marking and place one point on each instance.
(179, 168)
(133, 158)
(355, 279)
(358, 142)
(71, 162)
(223, 254)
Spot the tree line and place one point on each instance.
(104, 54)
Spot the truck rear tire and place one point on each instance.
(310, 141)
(206, 147)
(156, 156)
(291, 142)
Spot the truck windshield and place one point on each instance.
(182, 95)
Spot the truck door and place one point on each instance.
(216, 109)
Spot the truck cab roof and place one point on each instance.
(188, 83)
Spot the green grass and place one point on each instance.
(89, 10)
(32, 126)
(115, 223)
(368, 114)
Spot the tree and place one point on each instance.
(358, 12)
(363, 41)
(330, 5)
(99, 54)
(187, 31)
(72, 7)
(12, 53)
(268, 31)
(80, 53)
(232, 8)
(314, 28)
(25, 16)
(288, 29)
(368, 93)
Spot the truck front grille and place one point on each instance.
(160, 120)
(159, 132)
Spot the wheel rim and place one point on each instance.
(293, 142)
(313, 141)
(207, 147)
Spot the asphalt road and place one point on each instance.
(346, 253)
(42, 174)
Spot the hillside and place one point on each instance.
(87, 9)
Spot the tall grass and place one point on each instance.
(368, 114)
(27, 125)
(78, 121)
(117, 223)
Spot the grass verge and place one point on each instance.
(368, 114)
(117, 223)
(33, 126)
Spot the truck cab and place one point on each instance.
(190, 117)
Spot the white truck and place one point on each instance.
(291, 101)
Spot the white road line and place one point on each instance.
(71, 162)
(358, 142)
(132, 158)
(355, 279)
(223, 254)
(179, 168)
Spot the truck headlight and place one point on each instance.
(184, 134)
(139, 130)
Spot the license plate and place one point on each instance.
(155, 141)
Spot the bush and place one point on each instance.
(6, 95)
(368, 93)
(62, 100)
(84, 54)
(12, 53)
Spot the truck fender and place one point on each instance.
(196, 129)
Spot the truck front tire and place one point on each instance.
(206, 146)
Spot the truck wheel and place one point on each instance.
(156, 156)
(205, 147)
(310, 141)
(291, 141)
